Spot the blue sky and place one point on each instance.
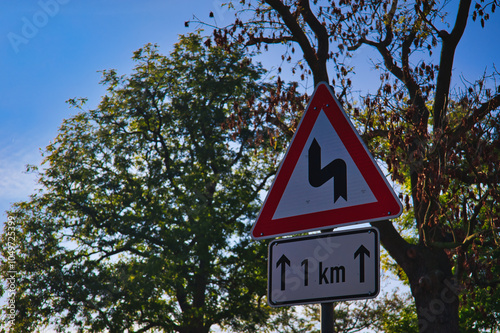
(52, 50)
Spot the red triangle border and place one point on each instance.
(386, 206)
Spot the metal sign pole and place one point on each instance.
(327, 318)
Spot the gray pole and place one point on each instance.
(327, 315)
(327, 318)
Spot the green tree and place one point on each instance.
(142, 220)
(441, 145)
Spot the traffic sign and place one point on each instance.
(324, 267)
(327, 177)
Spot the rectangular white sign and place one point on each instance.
(324, 267)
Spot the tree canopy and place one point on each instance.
(142, 220)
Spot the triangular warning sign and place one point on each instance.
(327, 177)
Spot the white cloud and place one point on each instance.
(15, 183)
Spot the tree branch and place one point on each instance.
(388, 26)
(281, 125)
(267, 40)
(478, 114)
(466, 242)
(464, 176)
(376, 133)
(450, 42)
(393, 242)
(310, 55)
(322, 38)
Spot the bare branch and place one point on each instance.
(319, 30)
(268, 40)
(310, 55)
(388, 26)
(450, 42)
(392, 241)
(375, 133)
(478, 114)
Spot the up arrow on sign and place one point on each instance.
(361, 252)
(283, 262)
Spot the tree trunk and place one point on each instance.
(432, 284)
(434, 289)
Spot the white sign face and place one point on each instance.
(324, 267)
(301, 198)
